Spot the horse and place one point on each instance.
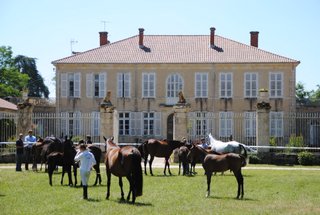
(64, 159)
(183, 152)
(196, 155)
(220, 163)
(227, 147)
(124, 162)
(159, 148)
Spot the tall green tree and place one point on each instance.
(315, 94)
(12, 82)
(36, 86)
(301, 93)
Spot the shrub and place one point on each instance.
(272, 141)
(254, 159)
(306, 158)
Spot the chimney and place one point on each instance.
(103, 38)
(141, 30)
(254, 38)
(212, 37)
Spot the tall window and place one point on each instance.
(96, 85)
(276, 124)
(250, 85)
(201, 124)
(71, 123)
(70, 85)
(124, 83)
(250, 124)
(201, 85)
(124, 123)
(148, 85)
(276, 84)
(225, 85)
(95, 124)
(174, 86)
(226, 124)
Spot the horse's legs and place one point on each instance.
(167, 165)
(98, 176)
(63, 171)
(108, 182)
(239, 178)
(75, 174)
(131, 189)
(121, 187)
(150, 164)
(145, 163)
(209, 174)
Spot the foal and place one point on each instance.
(220, 163)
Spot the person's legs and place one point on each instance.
(18, 162)
(84, 179)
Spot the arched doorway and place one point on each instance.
(170, 127)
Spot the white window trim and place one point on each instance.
(120, 81)
(149, 94)
(175, 99)
(226, 117)
(220, 84)
(251, 81)
(277, 119)
(201, 74)
(282, 85)
(250, 117)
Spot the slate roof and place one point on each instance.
(175, 49)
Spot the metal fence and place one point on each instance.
(288, 128)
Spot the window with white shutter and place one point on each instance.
(226, 85)
(201, 85)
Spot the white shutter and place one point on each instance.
(135, 123)
(89, 83)
(119, 85)
(64, 123)
(63, 86)
(95, 123)
(102, 85)
(77, 86)
(157, 123)
(127, 85)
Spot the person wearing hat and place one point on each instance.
(19, 153)
(204, 144)
(29, 141)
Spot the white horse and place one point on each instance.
(227, 147)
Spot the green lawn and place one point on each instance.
(266, 192)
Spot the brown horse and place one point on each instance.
(220, 163)
(183, 152)
(197, 155)
(125, 161)
(159, 148)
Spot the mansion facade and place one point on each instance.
(218, 78)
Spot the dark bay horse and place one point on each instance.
(159, 148)
(124, 162)
(220, 163)
(64, 158)
(183, 152)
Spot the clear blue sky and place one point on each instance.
(43, 29)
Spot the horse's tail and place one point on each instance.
(137, 173)
(245, 154)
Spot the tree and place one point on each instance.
(301, 94)
(19, 73)
(12, 82)
(315, 94)
(36, 85)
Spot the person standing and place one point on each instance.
(88, 139)
(29, 141)
(204, 144)
(19, 153)
(87, 161)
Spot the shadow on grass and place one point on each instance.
(121, 201)
(230, 198)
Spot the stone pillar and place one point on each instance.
(262, 122)
(108, 120)
(180, 122)
(25, 111)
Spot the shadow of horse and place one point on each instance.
(159, 148)
(124, 162)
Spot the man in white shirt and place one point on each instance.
(29, 140)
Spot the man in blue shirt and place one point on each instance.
(29, 140)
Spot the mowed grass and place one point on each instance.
(266, 192)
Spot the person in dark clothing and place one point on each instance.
(19, 153)
(88, 139)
